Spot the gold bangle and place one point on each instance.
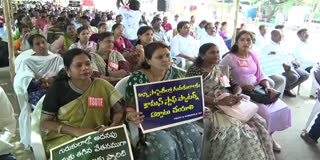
(59, 128)
(215, 101)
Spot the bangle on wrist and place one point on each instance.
(215, 101)
(59, 128)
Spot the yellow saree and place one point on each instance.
(90, 110)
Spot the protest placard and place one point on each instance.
(112, 144)
(169, 103)
(271, 65)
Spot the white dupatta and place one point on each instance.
(32, 67)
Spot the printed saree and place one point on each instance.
(226, 137)
(182, 142)
(78, 112)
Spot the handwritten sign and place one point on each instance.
(271, 65)
(169, 103)
(112, 144)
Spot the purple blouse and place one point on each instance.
(244, 71)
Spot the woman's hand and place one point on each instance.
(248, 88)
(206, 113)
(135, 117)
(82, 131)
(229, 100)
(271, 92)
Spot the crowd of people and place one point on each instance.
(69, 55)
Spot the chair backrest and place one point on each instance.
(36, 133)
(122, 85)
(314, 80)
(133, 129)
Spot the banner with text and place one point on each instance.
(271, 65)
(112, 144)
(89, 3)
(169, 103)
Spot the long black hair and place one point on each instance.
(202, 51)
(143, 30)
(102, 36)
(149, 51)
(234, 49)
(67, 61)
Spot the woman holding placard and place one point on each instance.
(76, 104)
(180, 142)
(234, 131)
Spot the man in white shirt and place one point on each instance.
(261, 39)
(294, 75)
(303, 52)
(159, 34)
(183, 46)
(131, 18)
(210, 36)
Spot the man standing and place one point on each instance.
(294, 75)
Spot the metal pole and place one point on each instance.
(313, 12)
(221, 18)
(7, 15)
(235, 22)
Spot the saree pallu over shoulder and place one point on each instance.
(86, 111)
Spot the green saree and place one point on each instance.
(91, 109)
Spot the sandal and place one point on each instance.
(305, 136)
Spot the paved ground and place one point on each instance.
(294, 148)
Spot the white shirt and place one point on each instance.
(130, 22)
(303, 54)
(185, 45)
(217, 40)
(280, 50)
(261, 41)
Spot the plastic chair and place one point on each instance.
(315, 110)
(36, 136)
(133, 129)
(315, 84)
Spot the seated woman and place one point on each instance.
(226, 137)
(246, 71)
(22, 44)
(84, 43)
(62, 44)
(102, 28)
(34, 76)
(121, 44)
(67, 111)
(178, 143)
(111, 64)
(136, 57)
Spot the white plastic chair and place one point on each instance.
(316, 107)
(36, 136)
(315, 84)
(133, 129)
(315, 111)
